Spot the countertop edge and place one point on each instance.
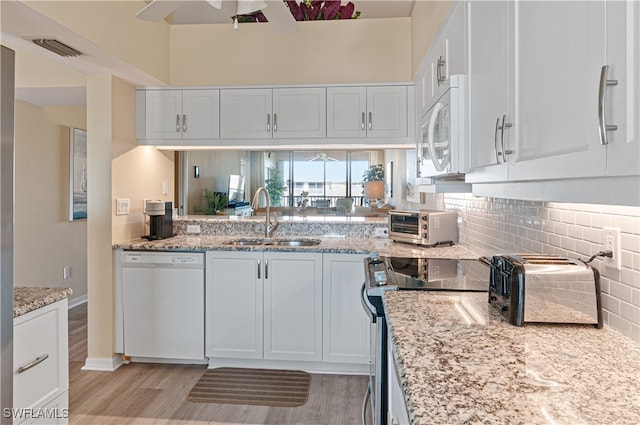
(27, 299)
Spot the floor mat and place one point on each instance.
(265, 387)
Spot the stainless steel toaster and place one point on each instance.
(531, 288)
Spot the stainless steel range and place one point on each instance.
(407, 273)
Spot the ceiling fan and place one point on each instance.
(321, 156)
(276, 11)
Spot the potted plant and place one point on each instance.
(373, 183)
(212, 203)
(275, 186)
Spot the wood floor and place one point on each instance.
(156, 394)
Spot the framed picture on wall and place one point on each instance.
(77, 174)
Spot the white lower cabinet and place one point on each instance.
(345, 324)
(264, 305)
(397, 408)
(41, 365)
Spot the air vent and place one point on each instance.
(57, 47)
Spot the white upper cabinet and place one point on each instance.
(560, 50)
(447, 56)
(564, 76)
(491, 88)
(178, 114)
(246, 113)
(299, 112)
(622, 101)
(374, 111)
(279, 113)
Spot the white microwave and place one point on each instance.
(441, 148)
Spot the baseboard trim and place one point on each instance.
(104, 364)
(77, 301)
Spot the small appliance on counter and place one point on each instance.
(531, 288)
(424, 227)
(160, 219)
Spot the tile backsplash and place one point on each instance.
(492, 225)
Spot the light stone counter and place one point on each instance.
(338, 244)
(466, 364)
(26, 299)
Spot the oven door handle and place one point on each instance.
(365, 402)
(368, 307)
(485, 261)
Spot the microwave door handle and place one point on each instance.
(430, 135)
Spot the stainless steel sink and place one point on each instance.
(276, 242)
(296, 242)
(246, 242)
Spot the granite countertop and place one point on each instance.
(342, 245)
(460, 362)
(26, 299)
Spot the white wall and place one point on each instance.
(45, 241)
(502, 225)
(366, 50)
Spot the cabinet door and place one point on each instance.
(387, 111)
(40, 339)
(234, 296)
(490, 87)
(623, 100)
(345, 324)
(346, 112)
(245, 114)
(293, 306)
(424, 85)
(438, 67)
(163, 114)
(397, 408)
(455, 41)
(201, 114)
(559, 55)
(299, 113)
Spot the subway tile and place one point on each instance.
(630, 277)
(630, 242)
(630, 312)
(583, 219)
(620, 291)
(619, 324)
(600, 220)
(610, 303)
(568, 217)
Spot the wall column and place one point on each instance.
(100, 328)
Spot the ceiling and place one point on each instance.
(200, 12)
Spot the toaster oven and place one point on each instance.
(530, 288)
(424, 227)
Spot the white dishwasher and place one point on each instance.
(163, 304)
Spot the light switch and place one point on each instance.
(122, 206)
(165, 187)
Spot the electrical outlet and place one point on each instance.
(144, 206)
(380, 232)
(193, 228)
(611, 242)
(122, 206)
(66, 272)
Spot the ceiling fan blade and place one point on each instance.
(157, 10)
(215, 3)
(278, 15)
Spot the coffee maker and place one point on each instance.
(160, 219)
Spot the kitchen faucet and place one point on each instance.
(269, 226)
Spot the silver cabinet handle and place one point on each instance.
(440, 77)
(178, 123)
(495, 141)
(370, 120)
(275, 121)
(34, 363)
(362, 123)
(602, 110)
(418, 166)
(259, 266)
(266, 269)
(184, 123)
(504, 125)
(268, 122)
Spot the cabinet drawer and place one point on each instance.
(39, 357)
